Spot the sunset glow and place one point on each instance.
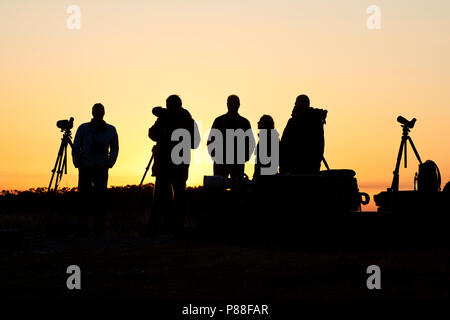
(131, 55)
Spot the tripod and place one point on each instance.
(325, 163)
(61, 160)
(148, 165)
(403, 148)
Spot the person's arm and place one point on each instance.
(158, 131)
(250, 143)
(191, 126)
(153, 131)
(76, 147)
(284, 145)
(319, 142)
(257, 172)
(214, 126)
(195, 135)
(113, 149)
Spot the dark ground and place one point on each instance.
(123, 265)
(168, 268)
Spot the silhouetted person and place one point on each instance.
(94, 152)
(170, 184)
(232, 120)
(447, 187)
(267, 124)
(302, 144)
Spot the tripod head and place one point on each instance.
(406, 125)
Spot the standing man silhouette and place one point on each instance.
(94, 152)
(302, 143)
(232, 121)
(170, 184)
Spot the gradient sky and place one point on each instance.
(130, 55)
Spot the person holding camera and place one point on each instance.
(302, 143)
(94, 152)
(171, 176)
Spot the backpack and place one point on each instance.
(429, 178)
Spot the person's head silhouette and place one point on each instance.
(266, 122)
(302, 101)
(233, 104)
(173, 103)
(301, 104)
(98, 111)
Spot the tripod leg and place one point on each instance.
(146, 170)
(59, 172)
(395, 180)
(325, 163)
(58, 159)
(53, 175)
(406, 155)
(65, 159)
(415, 150)
(63, 165)
(54, 170)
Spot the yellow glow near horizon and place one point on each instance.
(130, 55)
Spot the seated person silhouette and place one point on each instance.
(237, 141)
(302, 143)
(94, 152)
(170, 184)
(267, 124)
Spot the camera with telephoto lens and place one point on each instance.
(65, 125)
(159, 111)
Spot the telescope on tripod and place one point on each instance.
(407, 126)
(60, 167)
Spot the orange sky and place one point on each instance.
(130, 55)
